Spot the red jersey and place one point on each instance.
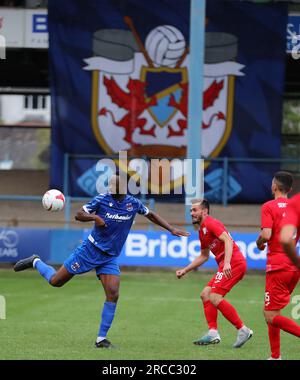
(209, 233)
(293, 213)
(272, 214)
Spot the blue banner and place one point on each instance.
(63, 243)
(119, 81)
(142, 248)
(18, 243)
(164, 250)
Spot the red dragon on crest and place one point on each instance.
(135, 102)
(210, 95)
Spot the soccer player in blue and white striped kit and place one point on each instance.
(113, 214)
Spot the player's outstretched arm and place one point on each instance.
(83, 216)
(197, 262)
(287, 236)
(157, 219)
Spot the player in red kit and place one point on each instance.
(232, 266)
(281, 275)
(290, 228)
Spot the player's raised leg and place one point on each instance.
(60, 278)
(111, 284)
(211, 315)
(53, 277)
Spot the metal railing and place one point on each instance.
(224, 161)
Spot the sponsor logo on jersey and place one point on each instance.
(117, 216)
(282, 204)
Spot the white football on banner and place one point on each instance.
(53, 200)
(165, 45)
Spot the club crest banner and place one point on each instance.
(120, 79)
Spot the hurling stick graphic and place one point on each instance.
(187, 50)
(185, 53)
(129, 22)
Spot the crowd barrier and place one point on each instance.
(142, 248)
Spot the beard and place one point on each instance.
(196, 223)
(196, 226)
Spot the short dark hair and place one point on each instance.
(205, 204)
(284, 181)
(202, 202)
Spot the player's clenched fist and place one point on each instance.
(180, 273)
(99, 222)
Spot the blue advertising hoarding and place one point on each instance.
(18, 243)
(142, 248)
(162, 249)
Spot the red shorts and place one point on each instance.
(222, 285)
(279, 286)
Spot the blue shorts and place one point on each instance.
(87, 257)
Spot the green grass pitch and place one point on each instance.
(157, 317)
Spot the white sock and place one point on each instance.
(34, 261)
(271, 358)
(100, 338)
(213, 332)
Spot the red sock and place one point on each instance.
(274, 339)
(286, 324)
(211, 315)
(230, 313)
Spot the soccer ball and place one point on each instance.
(53, 200)
(165, 45)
